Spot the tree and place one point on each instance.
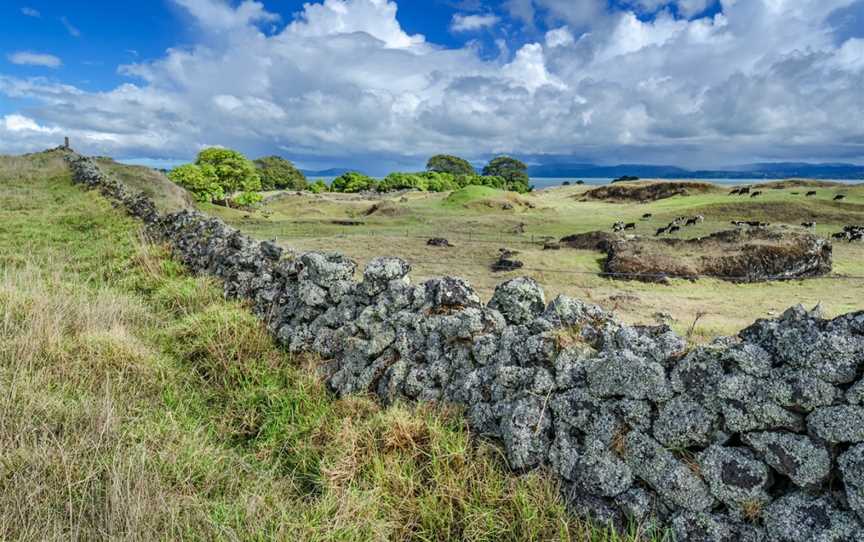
(512, 170)
(445, 163)
(235, 173)
(353, 182)
(279, 173)
(201, 181)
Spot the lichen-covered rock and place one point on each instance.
(669, 477)
(798, 517)
(520, 300)
(838, 423)
(683, 423)
(706, 527)
(803, 459)
(735, 476)
(624, 374)
(525, 432)
(851, 465)
(381, 272)
(747, 406)
(599, 471)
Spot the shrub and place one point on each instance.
(247, 199)
(353, 182)
(402, 181)
(318, 186)
(201, 181)
(279, 173)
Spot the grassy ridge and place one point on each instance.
(138, 404)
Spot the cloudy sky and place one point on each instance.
(382, 84)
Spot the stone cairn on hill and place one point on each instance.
(757, 437)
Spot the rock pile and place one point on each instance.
(754, 437)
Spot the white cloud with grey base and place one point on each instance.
(763, 80)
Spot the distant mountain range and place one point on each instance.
(779, 170)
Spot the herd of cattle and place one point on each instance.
(850, 232)
(747, 190)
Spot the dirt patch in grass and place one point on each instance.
(385, 208)
(756, 255)
(646, 191)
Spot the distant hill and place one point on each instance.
(779, 170)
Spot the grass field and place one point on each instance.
(139, 405)
(479, 222)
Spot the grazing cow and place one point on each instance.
(674, 229)
(691, 221)
(808, 224)
(754, 194)
(839, 235)
(839, 197)
(646, 216)
(738, 223)
(810, 193)
(661, 231)
(735, 192)
(744, 190)
(618, 226)
(630, 226)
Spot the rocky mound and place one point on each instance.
(646, 191)
(743, 255)
(592, 240)
(758, 437)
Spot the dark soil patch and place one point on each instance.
(592, 240)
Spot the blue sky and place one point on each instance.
(382, 84)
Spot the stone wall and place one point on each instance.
(753, 437)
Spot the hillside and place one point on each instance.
(138, 404)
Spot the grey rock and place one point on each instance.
(838, 423)
(851, 465)
(682, 423)
(520, 300)
(669, 477)
(626, 375)
(803, 459)
(707, 527)
(798, 517)
(735, 476)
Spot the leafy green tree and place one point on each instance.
(512, 170)
(402, 181)
(445, 163)
(353, 182)
(279, 173)
(201, 181)
(235, 172)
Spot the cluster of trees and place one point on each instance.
(226, 177)
(443, 173)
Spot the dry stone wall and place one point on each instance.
(754, 437)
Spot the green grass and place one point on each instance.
(138, 404)
(470, 194)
